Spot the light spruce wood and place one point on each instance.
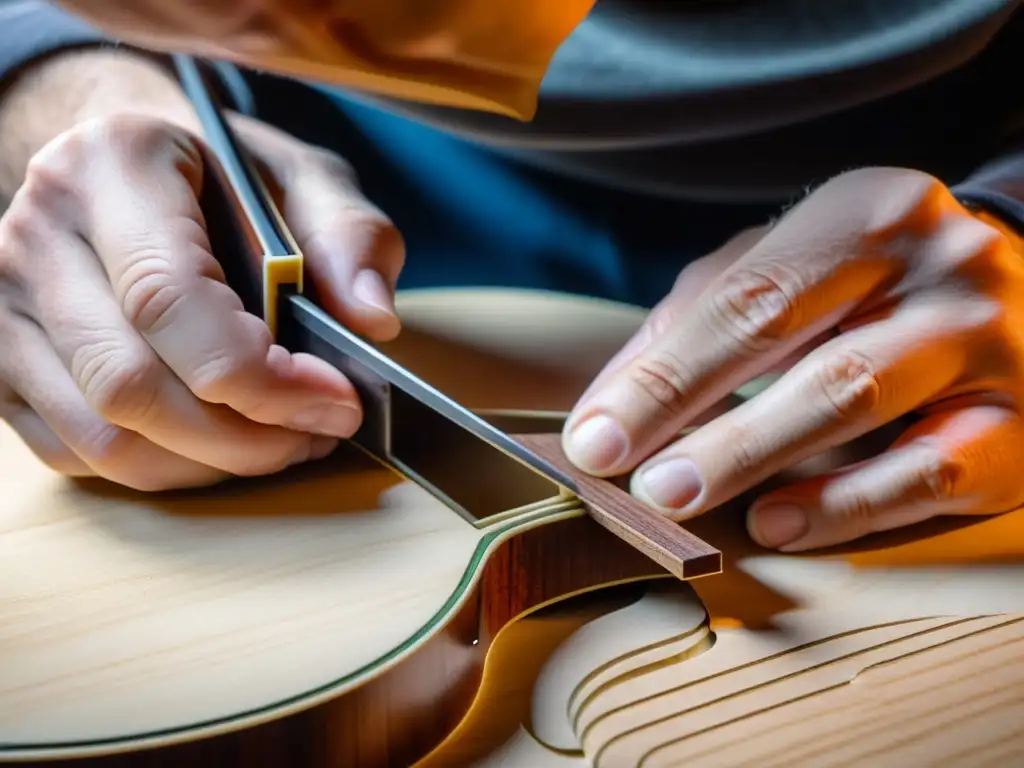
(248, 602)
(903, 649)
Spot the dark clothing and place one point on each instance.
(663, 128)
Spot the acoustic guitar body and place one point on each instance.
(335, 615)
(904, 650)
(339, 616)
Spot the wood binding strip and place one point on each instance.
(667, 543)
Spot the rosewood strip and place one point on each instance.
(665, 542)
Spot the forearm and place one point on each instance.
(58, 92)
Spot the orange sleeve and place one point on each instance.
(488, 55)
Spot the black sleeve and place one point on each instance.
(30, 29)
(998, 188)
(33, 28)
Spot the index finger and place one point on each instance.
(148, 230)
(794, 284)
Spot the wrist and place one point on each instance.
(65, 89)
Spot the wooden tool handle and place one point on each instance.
(667, 543)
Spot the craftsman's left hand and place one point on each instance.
(889, 299)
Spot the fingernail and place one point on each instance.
(776, 525)
(369, 287)
(333, 419)
(671, 484)
(596, 445)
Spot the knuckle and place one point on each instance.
(102, 446)
(370, 235)
(995, 326)
(334, 166)
(381, 236)
(855, 513)
(849, 385)
(129, 143)
(20, 229)
(224, 378)
(981, 242)
(112, 453)
(50, 187)
(971, 249)
(754, 309)
(149, 292)
(123, 387)
(24, 254)
(936, 477)
(663, 377)
(138, 136)
(938, 474)
(899, 200)
(21, 234)
(662, 320)
(60, 161)
(234, 372)
(747, 451)
(148, 281)
(47, 202)
(989, 330)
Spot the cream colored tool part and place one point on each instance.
(282, 261)
(279, 273)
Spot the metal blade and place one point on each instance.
(410, 424)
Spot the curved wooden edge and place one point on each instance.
(401, 714)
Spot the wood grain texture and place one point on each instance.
(503, 701)
(667, 543)
(390, 718)
(796, 634)
(900, 649)
(118, 609)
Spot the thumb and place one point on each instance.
(353, 252)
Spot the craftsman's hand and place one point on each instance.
(882, 297)
(125, 354)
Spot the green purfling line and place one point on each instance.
(307, 699)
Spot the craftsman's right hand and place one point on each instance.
(124, 354)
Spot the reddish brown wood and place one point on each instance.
(401, 715)
(667, 543)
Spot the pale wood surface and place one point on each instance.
(217, 604)
(595, 653)
(905, 650)
(111, 602)
(518, 656)
(900, 650)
